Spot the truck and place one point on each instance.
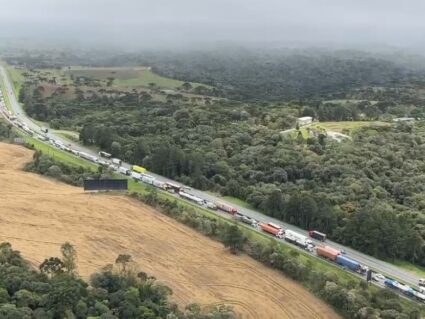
(327, 252)
(147, 179)
(123, 170)
(104, 154)
(138, 169)
(272, 229)
(226, 208)
(404, 289)
(351, 264)
(116, 161)
(317, 235)
(88, 157)
(135, 175)
(191, 198)
(210, 205)
(44, 129)
(298, 239)
(174, 188)
(159, 184)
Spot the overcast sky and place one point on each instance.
(139, 23)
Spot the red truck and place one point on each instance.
(226, 208)
(272, 229)
(327, 252)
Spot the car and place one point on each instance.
(378, 277)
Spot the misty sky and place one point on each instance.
(139, 23)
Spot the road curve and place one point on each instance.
(373, 263)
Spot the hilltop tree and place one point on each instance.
(69, 255)
(123, 260)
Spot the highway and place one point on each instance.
(373, 263)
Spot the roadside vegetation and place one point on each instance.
(117, 291)
(323, 279)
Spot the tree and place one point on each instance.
(233, 238)
(69, 257)
(123, 260)
(186, 86)
(116, 148)
(52, 266)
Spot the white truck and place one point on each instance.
(298, 239)
(116, 161)
(191, 197)
(124, 170)
(88, 157)
(147, 179)
(136, 175)
(159, 184)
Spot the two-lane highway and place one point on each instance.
(373, 263)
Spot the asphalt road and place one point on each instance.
(373, 263)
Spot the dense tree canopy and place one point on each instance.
(56, 292)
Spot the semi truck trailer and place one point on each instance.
(327, 252)
(349, 263)
(298, 239)
(226, 208)
(272, 229)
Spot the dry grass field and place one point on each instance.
(37, 215)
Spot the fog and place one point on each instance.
(137, 24)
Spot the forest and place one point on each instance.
(56, 291)
(365, 192)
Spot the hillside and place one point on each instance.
(103, 226)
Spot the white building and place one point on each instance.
(304, 120)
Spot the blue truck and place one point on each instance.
(350, 264)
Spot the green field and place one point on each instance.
(127, 77)
(58, 154)
(347, 125)
(16, 77)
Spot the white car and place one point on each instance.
(378, 277)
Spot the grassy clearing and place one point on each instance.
(127, 77)
(58, 154)
(16, 77)
(347, 125)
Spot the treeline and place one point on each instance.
(6, 131)
(116, 292)
(46, 165)
(351, 298)
(273, 75)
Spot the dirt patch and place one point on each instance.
(38, 214)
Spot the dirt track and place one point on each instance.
(38, 214)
